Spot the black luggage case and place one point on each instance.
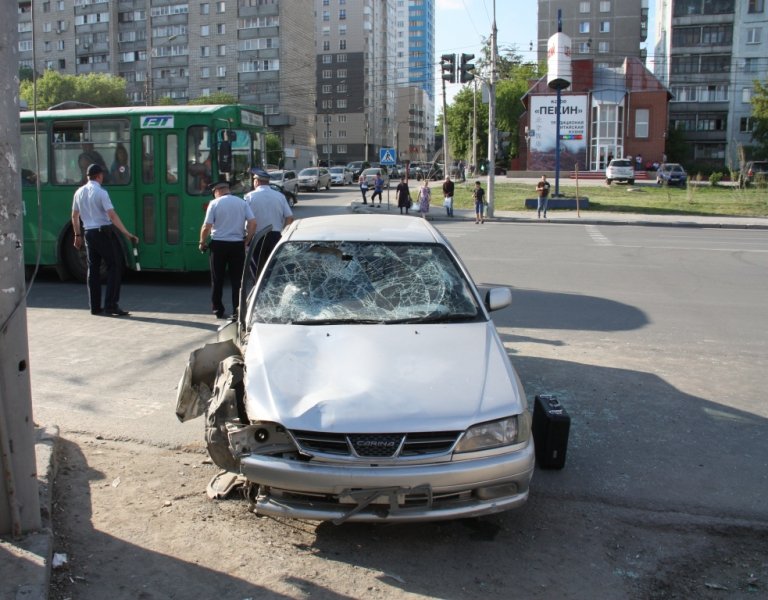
(550, 428)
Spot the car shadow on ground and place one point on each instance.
(643, 460)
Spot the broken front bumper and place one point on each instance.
(424, 492)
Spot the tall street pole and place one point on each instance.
(474, 124)
(492, 118)
(446, 154)
(19, 495)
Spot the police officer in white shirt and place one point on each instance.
(230, 224)
(269, 207)
(93, 207)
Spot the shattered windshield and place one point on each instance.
(363, 282)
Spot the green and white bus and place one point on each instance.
(159, 162)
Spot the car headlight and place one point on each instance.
(494, 434)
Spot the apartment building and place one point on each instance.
(256, 50)
(374, 74)
(709, 53)
(606, 31)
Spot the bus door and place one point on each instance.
(159, 200)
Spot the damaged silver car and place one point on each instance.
(365, 381)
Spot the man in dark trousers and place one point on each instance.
(542, 191)
(448, 188)
(93, 207)
(230, 224)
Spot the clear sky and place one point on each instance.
(462, 25)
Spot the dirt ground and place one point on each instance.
(134, 522)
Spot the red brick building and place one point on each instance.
(604, 114)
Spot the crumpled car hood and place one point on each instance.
(379, 378)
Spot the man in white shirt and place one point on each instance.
(230, 224)
(93, 207)
(269, 207)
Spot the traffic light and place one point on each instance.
(448, 64)
(467, 68)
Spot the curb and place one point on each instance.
(437, 214)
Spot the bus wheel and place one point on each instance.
(76, 261)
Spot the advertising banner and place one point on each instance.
(543, 127)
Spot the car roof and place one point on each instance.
(363, 227)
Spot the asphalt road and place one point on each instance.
(654, 338)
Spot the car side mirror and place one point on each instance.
(498, 298)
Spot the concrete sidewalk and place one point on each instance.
(437, 213)
(25, 564)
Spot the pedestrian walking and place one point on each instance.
(93, 214)
(364, 188)
(448, 188)
(542, 193)
(269, 207)
(230, 224)
(478, 197)
(378, 188)
(425, 197)
(403, 196)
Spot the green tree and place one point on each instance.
(513, 83)
(97, 89)
(677, 147)
(215, 98)
(274, 150)
(165, 101)
(25, 73)
(760, 114)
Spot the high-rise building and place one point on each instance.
(709, 54)
(256, 50)
(367, 52)
(606, 31)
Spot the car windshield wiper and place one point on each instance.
(336, 322)
(435, 318)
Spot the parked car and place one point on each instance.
(317, 425)
(357, 167)
(340, 176)
(291, 197)
(285, 179)
(314, 178)
(370, 176)
(671, 174)
(620, 169)
(754, 170)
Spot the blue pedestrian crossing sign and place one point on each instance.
(387, 157)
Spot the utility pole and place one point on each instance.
(19, 500)
(448, 70)
(492, 118)
(149, 87)
(474, 124)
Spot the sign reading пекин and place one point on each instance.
(573, 131)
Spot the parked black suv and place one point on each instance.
(754, 170)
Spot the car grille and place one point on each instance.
(376, 445)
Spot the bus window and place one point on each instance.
(28, 160)
(238, 142)
(120, 170)
(77, 144)
(171, 158)
(147, 159)
(198, 160)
